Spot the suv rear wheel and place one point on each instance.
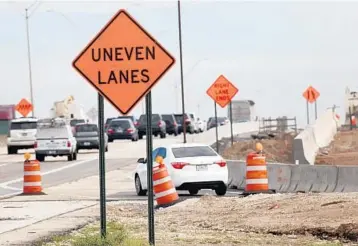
(11, 150)
(70, 157)
(163, 135)
(193, 191)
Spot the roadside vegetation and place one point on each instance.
(117, 235)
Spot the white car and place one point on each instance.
(55, 138)
(21, 135)
(201, 125)
(191, 166)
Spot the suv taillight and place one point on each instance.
(179, 165)
(35, 145)
(221, 163)
(110, 131)
(68, 144)
(130, 130)
(159, 123)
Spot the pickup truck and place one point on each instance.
(54, 137)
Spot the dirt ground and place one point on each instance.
(280, 219)
(278, 149)
(342, 151)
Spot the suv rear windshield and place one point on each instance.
(52, 132)
(23, 125)
(195, 151)
(86, 128)
(179, 118)
(143, 118)
(75, 122)
(168, 117)
(120, 123)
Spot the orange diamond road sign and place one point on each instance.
(222, 91)
(24, 107)
(123, 62)
(311, 94)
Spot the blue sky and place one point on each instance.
(271, 51)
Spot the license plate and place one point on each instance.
(52, 152)
(24, 134)
(86, 143)
(201, 168)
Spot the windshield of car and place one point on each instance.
(195, 151)
(86, 128)
(143, 118)
(120, 123)
(168, 117)
(23, 125)
(179, 118)
(52, 132)
(75, 122)
(126, 117)
(221, 119)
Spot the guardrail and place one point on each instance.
(287, 178)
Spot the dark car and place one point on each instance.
(108, 120)
(171, 124)
(212, 122)
(131, 117)
(122, 129)
(188, 122)
(86, 135)
(158, 126)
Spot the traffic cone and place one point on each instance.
(32, 177)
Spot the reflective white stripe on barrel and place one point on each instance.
(165, 193)
(256, 181)
(32, 184)
(32, 173)
(256, 168)
(161, 181)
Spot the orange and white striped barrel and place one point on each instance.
(32, 177)
(256, 173)
(164, 190)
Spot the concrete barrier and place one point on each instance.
(318, 135)
(300, 178)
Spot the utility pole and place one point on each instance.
(181, 73)
(29, 60)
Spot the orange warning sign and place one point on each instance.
(222, 91)
(123, 62)
(24, 107)
(311, 94)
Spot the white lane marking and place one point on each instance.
(2, 165)
(10, 195)
(48, 172)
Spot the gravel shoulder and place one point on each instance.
(280, 219)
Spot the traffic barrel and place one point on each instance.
(256, 172)
(163, 187)
(32, 177)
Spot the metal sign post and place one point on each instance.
(216, 128)
(149, 140)
(231, 130)
(102, 166)
(308, 112)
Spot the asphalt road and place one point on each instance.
(58, 170)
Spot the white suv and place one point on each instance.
(22, 132)
(55, 138)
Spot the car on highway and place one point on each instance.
(87, 137)
(194, 121)
(171, 124)
(201, 125)
(220, 121)
(190, 128)
(192, 167)
(22, 134)
(158, 126)
(108, 120)
(131, 117)
(54, 137)
(122, 129)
